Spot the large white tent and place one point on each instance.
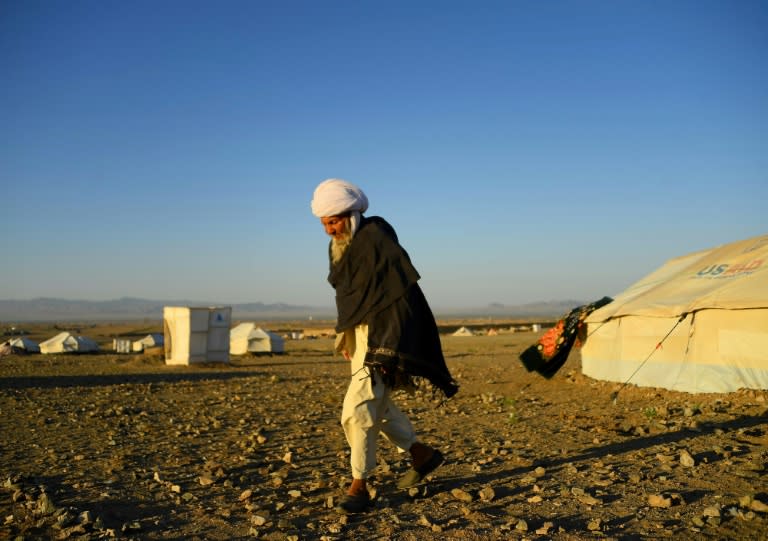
(697, 324)
(66, 342)
(247, 337)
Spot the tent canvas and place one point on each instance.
(463, 331)
(247, 337)
(149, 341)
(25, 344)
(65, 342)
(699, 323)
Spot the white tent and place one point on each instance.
(24, 344)
(247, 337)
(65, 342)
(463, 331)
(699, 323)
(149, 341)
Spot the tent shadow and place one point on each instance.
(611, 449)
(635, 444)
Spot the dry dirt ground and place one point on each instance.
(122, 446)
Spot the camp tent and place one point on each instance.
(149, 341)
(24, 344)
(65, 342)
(697, 324)
(463, 331)
(247, 337)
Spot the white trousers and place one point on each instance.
(368, 410)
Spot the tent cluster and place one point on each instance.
(66, 342)
(495, 331)
(244, 338)
(19, 345)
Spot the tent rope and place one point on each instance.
(615, 394)
(597, 328)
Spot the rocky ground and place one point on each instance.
(123, 446)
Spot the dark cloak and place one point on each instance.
(376, 284)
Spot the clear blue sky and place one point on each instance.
(524, 150)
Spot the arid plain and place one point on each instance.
(102, 446)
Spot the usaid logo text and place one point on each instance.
(726, 270)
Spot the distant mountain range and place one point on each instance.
(543, 309)
(129, 308)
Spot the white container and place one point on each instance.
(196, 334)
(121, 345)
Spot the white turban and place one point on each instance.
(335, 196)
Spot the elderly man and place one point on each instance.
(386, 330)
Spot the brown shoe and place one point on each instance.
(414, 476)
(349, 505)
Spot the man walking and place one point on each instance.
(386, 330)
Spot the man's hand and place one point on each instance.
(340, 345)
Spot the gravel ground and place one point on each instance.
(122, 446)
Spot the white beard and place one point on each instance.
(338, 247)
